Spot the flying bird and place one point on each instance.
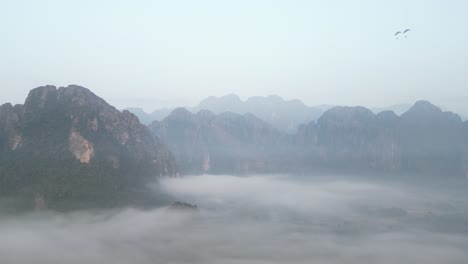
(398, 33)
(402, 32)
(406, 31)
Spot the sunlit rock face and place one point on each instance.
(67, 143)
(81, 148)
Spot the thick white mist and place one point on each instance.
(257, 219)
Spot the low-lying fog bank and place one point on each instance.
(258, 219)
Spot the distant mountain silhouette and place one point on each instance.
(398, 109)
(67, 146)
(423, 140)
(284, 115)
(281, 114)
(148, 118)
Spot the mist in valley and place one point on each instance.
(255, 219)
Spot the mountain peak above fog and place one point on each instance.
(72, 94)
(424, 106)
(425, 111)
(423, 140)
(226, 99)
(69, 144)
(72, 89)
(285, 115)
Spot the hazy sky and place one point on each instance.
(157, 53)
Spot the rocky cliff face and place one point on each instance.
(345, 135)
(431, 140)
(423, 140)
(67, 144)
(224, 143)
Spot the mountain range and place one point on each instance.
(423, 140)
(284, 115)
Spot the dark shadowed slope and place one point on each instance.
(67, 145)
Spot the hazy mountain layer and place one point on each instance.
(423, 140)
(281, 114)
(148, 118)
(284, 115)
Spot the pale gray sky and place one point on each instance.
(157, 53)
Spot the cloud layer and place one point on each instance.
(257, 219)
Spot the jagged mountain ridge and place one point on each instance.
(423, 140)
(282, 114)
(68, 145)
